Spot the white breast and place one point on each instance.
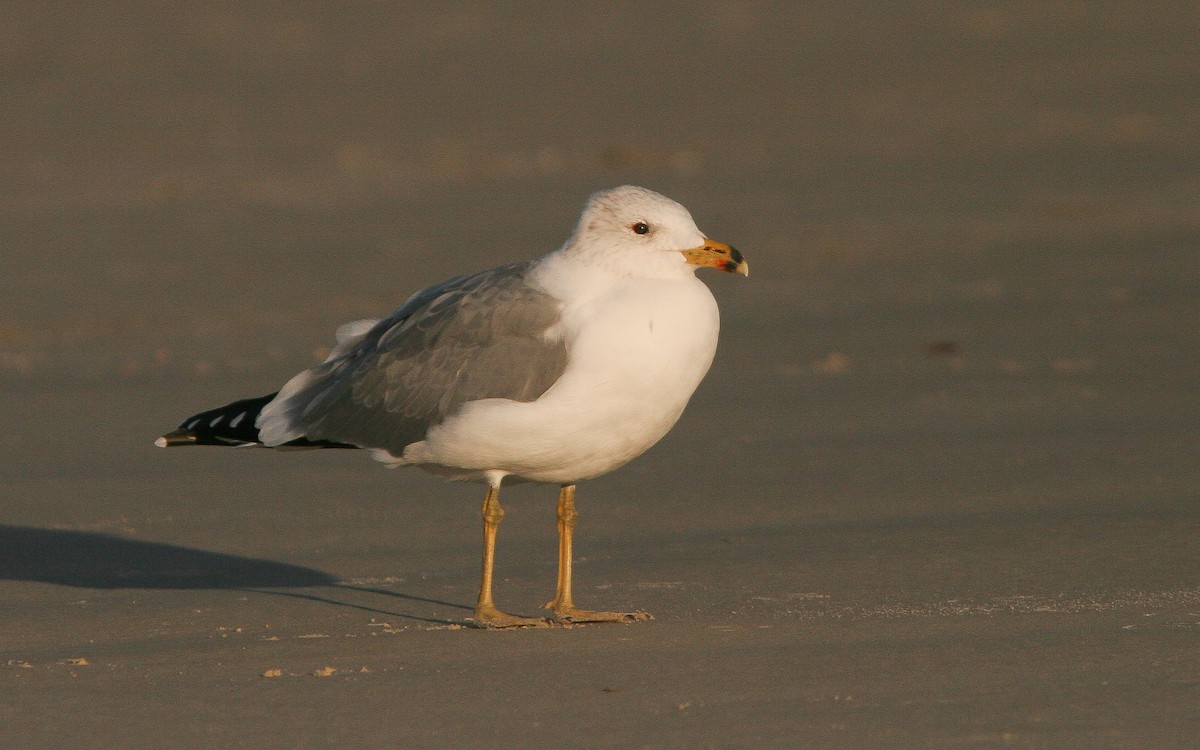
(637, 349)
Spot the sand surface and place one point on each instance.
(938, 491)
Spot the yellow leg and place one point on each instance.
(562, 604)
(566, 530)
(486, 614)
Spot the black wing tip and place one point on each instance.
(176, 438)
(233, 425)
(189, 437)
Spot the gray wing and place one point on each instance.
(472, 337)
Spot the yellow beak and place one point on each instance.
(717, 255)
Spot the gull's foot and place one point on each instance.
(490, 617)
(571, 616)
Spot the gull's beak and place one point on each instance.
(717, 255)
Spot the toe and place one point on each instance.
(574, 615)
(494, 618)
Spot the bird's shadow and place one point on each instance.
(86, 559)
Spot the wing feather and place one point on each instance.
(470, 338)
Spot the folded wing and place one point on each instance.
(486, 335)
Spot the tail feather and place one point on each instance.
(232, 424)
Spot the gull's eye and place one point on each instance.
(641, 228)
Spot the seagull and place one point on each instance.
(556, 370)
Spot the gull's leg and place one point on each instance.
(566, 528)
(486, 614)
(562, 604)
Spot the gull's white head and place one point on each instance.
(636, 231)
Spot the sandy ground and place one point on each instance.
(938, 491)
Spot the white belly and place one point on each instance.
(636, 354)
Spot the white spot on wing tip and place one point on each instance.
(237, 420)
(161, 442)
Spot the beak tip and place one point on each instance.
(718, 255)
(741, 266)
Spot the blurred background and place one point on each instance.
(964, 368)
(958, 216)
(198, 180)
